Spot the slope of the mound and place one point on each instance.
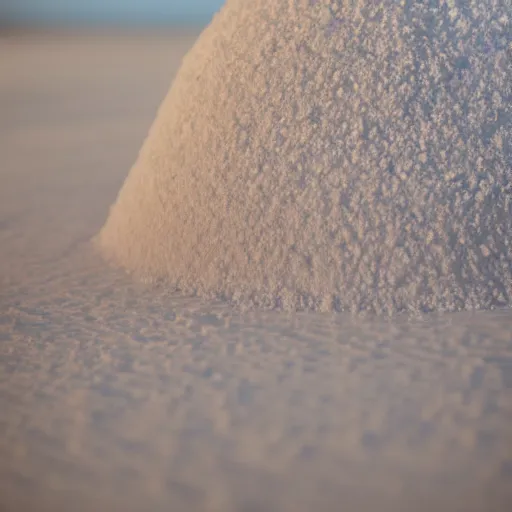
(333, 156)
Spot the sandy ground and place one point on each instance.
(115, 396)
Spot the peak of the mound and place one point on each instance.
(332, 155)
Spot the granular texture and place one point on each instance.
(333, 155)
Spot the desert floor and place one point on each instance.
(117, 396)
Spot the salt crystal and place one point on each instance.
(256, 184)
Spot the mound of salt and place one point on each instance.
(332, 155)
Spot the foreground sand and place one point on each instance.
(115, 396)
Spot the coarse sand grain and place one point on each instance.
(331, 155)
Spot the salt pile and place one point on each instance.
(333, 155)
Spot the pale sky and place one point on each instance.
(132, 11)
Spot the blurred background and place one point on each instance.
(121, 13)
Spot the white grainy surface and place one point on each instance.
(332, 155)
(116, 396)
